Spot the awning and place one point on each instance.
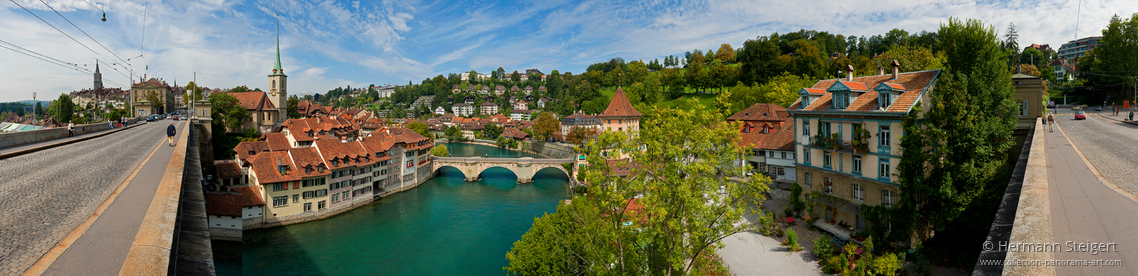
(838, 203)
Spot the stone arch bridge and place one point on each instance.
(524, 168)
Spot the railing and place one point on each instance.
(481, 159)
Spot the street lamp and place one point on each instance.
(33, 107)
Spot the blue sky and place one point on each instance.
(326, 44)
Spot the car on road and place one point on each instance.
(175, 117)
(151, 118)
(1098, 108)
(1080, 115)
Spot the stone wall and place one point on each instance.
(549, 150)
(306, 217)
(32, 136)
(223, 234)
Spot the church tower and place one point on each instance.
(98, 76)
(278, 84)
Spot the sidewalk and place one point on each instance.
(6, 152)
(1085, 210)
(1121, 117)
(102, 247)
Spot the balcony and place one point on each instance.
(842, 146)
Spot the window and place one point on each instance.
(829, 186)
(295, 198)
(826, 159)
(308, 183)
(826, 128)
(307, 206)
(857, 164)
(783, 155)
(280, 186)
(858, 192)
(321, 181)
(883, 169)
(883, 136)
(321, 205)
(805, 155)
(344, 195)
(809, 182)
(280, 201)
(335, 198)
(887, 198)
(884, 99)
(1023, 108)
(806, 128)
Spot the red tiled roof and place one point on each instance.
(815, 91)
(245, 150)
(276, 140)
(307, 158)
(265, 166)
(917, 82)
(620, 106)
(761, 112)
(622, 167)
(252, 100)
(226, 168)
(230, 204)
(855, 86)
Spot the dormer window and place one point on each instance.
(884, 99)
(766, 130)
(336, 161)
(320, 168)
(747, 129)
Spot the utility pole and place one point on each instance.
(193, 101)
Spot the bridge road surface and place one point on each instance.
(46, 195)
(1084, 209)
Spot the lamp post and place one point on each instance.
(33, 107)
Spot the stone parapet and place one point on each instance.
(1033, 214)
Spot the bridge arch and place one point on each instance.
(525, 168)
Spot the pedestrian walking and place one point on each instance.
(1050, 122)
(70, 129)
(170, 134)
(1132, 115)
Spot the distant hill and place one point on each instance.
(33, 102)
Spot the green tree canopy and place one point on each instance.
(620, 228)
(952, 161)
(227, 111)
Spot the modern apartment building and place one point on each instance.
(848, 136)
(1079, 47)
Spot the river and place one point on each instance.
(446, 226)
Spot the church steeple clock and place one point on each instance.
(278, 83)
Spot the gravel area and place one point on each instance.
(47, 194)
(1110, 146)
(751, 253)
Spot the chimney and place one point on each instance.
(896, 67)
(849, 72)
(880, 70)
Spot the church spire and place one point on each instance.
(96, 66)
(277, 68)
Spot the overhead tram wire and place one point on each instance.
(53, 27)
(46, 60)
(42, 55)
(81, 30)
(113, 68)
(113, 22)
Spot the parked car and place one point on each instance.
(1080, 115)
(1098, 108)
(151, 118)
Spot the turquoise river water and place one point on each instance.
(446, 226)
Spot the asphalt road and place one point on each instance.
(1083, 209)
(1112, 146)
(46, 195)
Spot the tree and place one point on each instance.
(420, 128)
(227, 111)
(472, 77)
(64, 109)
(952, 159)
(492, 131)
(20, 110)
(911, 58)
(1114, 55)
(578, 135)
(1011, 40)
(38, 111)
(156, 101)
(293, 107)
(545, 125)
(440, 150)
(193, 93)
(725, 53)
(239, 89)
(515, 76)
(685, 216)
(454, 133)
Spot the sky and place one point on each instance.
(328, 44)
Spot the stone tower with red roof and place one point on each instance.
(620, 115)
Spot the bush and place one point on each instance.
(823, 247)
(792, 240)
(778, 232)
(887, 264)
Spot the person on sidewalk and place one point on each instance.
(1131, 115)
(70, 129)
(1050, 122)
(170, 134)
